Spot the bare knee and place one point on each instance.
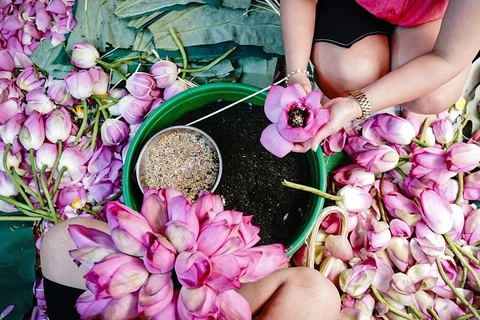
(434, 102)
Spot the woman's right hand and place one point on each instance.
(302, 79)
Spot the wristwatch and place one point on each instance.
(364, 104)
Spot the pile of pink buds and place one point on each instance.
(412, 250)
(175, 260)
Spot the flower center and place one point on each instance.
(297, 117)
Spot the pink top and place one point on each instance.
(406, 13)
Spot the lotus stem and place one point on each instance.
(11, 176)
(414, 310)
(181, 48)
(111, 67)
(112, 198)
(312, 190)
(467, 254)
(19, 218)
(108, 105)
(458, 200)
(379, 297)
(47, 194)
(57, 182)
(420, 142)
(211, 64)
(86, 144)
(464, 278)
(33, 165)
(454, 290)
(401, 173)
(405, 157)
(95, 130)
(93, 213)
(460, 257)
(433, 314)
(84, 123)
(57, 159)
(105, 98)
(23, 206)
(464, 317)
(19, 182)
(381, 207)
(105, 114)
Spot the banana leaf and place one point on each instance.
(53, 60)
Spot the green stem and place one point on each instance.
(86, 144)
(53, 213)
(95, 130)
(23, 206)
(458, 200)
(105, 114)
(211, 64)
(464, 317)
(112, 198)
(401, 173)
(106, 106)
(181, 49)
(467, 254)
(94, 96)
(454, 290)
(57, 159)
(381, 207)
(57, 182)
(414, 310)
(400, 163)
(111, 67)
(433, 314)
(420, 143)
(424, 129)
(312, 190)
(93, 213)
(11, 176)
(119, 62)
(22, 184)
(461, 259)
(19, 218)
(33, 165)
(405, 157)
(84, 123)
(379, 297)
(464, 278)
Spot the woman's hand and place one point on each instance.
(302, 79)
(342, 111)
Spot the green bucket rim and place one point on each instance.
(213, 92)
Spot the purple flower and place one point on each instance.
(436, 211)
(6, 61)
(388, 127)
(58, 125)
(46, 155)
(133, 110)
(79, 84)
(156, 295)
(296, 117)
(11, 129)
(164, 72)
(7, 187)
(471, 189)
(443, 130)
(142, 86)
(58, 92)
(160, 254)
(116, 93)
(10, 108)
(29, 80)
(175, 88)
(38, 101)
(335, 142)
(100, 81)
(462, 157)
(114, 132)
(193, 269)
(84, 55)
(201, 303)
(32, 134)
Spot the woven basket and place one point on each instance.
(325, 264)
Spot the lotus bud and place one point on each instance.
(29, 80)
(181, 236)
(354, 199)
(267, 259)
(11, 129)
(378, 159)
(7, 187)
(431, 243)
(233, 306)
(13, 160)
(79, 84)
(142, 86)
(84, 55)
(156, 294)
(400, 228)
(116, 93)
(100, 80)
(339, 247)
(38, 101)
(10, 108)
(354, 175)
(378, 238)
(458, 222)
(471, 188)
(160, 255)
(114, 132)
(299, 258)
(390, 128)
(357, 280)
(436, 211)
(58, 92)
(198, 303)
(462, 157)
(133, 110)
(335, 142)
(447, 309)
(193, 269)
(58, 125)
(32, 134)
(46, 155)
(399, 253)
(429, 138)
(472, 227)
(175, 88)
(6, 61)
(443, 131)
(164, 72)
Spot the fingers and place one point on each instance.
(302, 147)
(324, 132)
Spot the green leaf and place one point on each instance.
(221, 69)
(17, 259)
(99, 26)
(257, 71)
(144, 41)
(53, 60)
(143, 21)
(236, 4)
(206, 25)
(215, 3)
(135, 8)
(335, 161)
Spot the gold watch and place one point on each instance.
(364, 104)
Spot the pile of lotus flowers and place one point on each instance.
(412, 250)
(174, 260)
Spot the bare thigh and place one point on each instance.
(339, 70)
(409, 43)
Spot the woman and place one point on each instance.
(292, 293)
(369, 55)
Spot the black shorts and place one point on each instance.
(61, 300)
(344, 22)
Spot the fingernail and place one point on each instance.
(314, 147)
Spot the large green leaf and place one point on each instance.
(144, 21)
(53, 60)
(99, 26)
(219, 70)
(17, 258)
(200, 25)
(257, 71)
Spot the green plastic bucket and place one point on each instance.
(195, 98)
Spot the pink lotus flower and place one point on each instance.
(164, 72)
(74, 161)
(116, 93)
(90, 307)
(447, 309)
(58, 125)
(142, 86)
(399, 253)
(354, 175)
(175, 88)
(160, 255)
(436, 211)
(11, 129)
(387, 127)
(46, 155)
(335, 142)
(10, 108)
(296, 117)
(427, 241)
(339, 247)
(378, 237)
(58, 92)
(133, 110)
(6, 61)
(462, 157)
(32, 134)
(258, 262)
(201, 303)
(7, 187)
(400, 228)
(193, 269)
(154, 207)
(471, 188)
(38, 101)
(429, 165)
(100, 81)
(156, 295)
(443, 130)
(114, 132)
(375, 158)
(29, 80)
(84, 55)
(355, 199)
(79, 84)
(357, 280)
(472, 227)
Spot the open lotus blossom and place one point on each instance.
(296, 117)
(132, 268)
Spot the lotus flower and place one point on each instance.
(32, 134)
(388, 127)
(471, 189)
(133, 110)
(160, 255)
(355, 199)
(443, 130)
(100, 81)
(436, 211)
(79, 84)
(164, 72)
(142, 86)
(114, 132)
(6, 61)
(429, 165)
(46, 155)
(175, 88)
(58, 92)
(58, 125)
(156, 295)
(296, 117)
(116, 93)
(38, 101)
(84, 55)
(7, 187)
(354, 175)
(378, 237)
(11, 129)
(193, 269)
(335, 142)
(339, 247)
(462, 157)
(375, 158)
(399, 253)
(10, 108)
(201, 303)
(29, 80)
(357, 280)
